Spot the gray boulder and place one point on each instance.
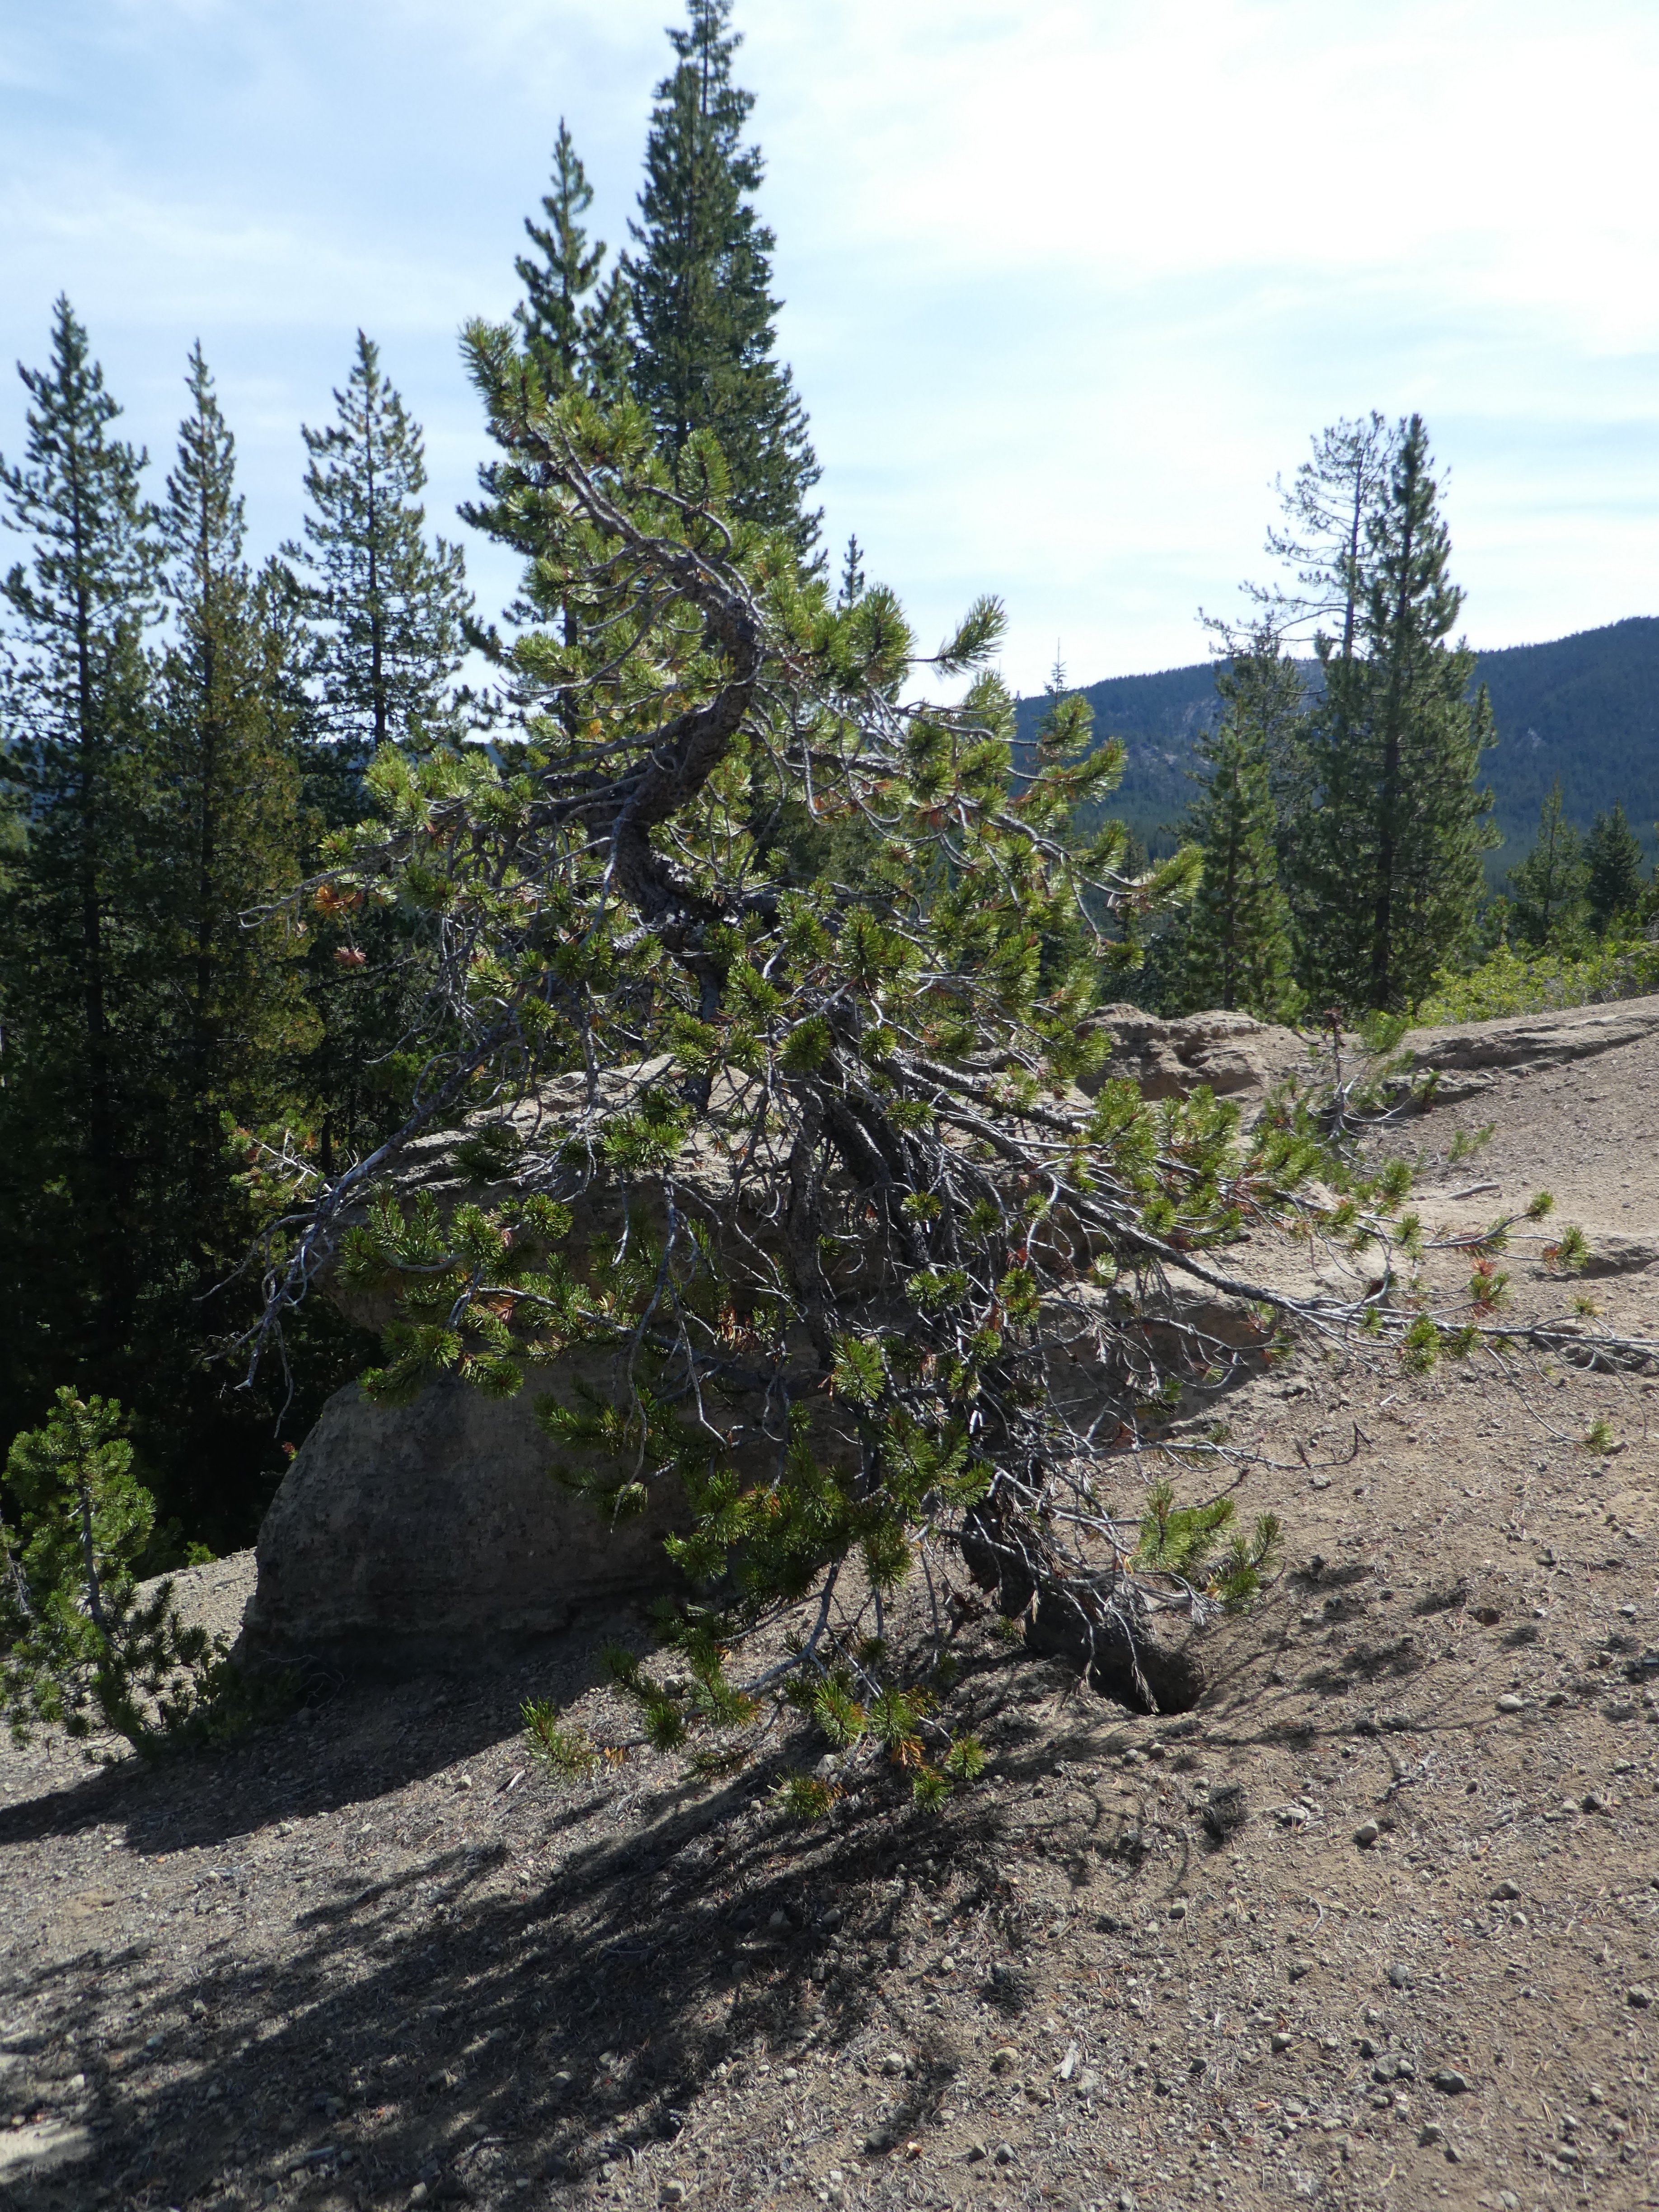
(410, 1536)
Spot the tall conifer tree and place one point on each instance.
(387, 607)
(233, 831)
(704, 316)
(1234, 949)
(79, 1091)
(1329, 509)
(574, 316)
(1389, 862)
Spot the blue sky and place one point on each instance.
(1067, 281)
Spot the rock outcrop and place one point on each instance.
(403, 1536)
(1230, 1053)
(1469, 1057)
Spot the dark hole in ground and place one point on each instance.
(1146, 1665)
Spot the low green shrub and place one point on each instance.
(1508, 982)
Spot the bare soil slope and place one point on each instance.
(364, 1959)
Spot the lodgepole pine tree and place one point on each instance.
(1614, 859)
(1234, 949)
(704, 316)
(387, 612)
(81, 1099)
(1330, 507)
(1548, 888)
(1389, 869)
(575, 338)
(230, 840)
(386, 607)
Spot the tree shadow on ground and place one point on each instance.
(428, 2027)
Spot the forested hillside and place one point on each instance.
(1584, 708)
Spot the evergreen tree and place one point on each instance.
(386, 608)
(866, 1337)
(703, 312)
(1549, 886)
(1389, 856)
(853, 578)
(80, 1096)
(231, 840)
(1234, 949)
(387, 612)
(575, 338)
(1613, 854)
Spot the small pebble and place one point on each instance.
(1433, 2133)
(1506, 1892)
(1005, 2060)
(1450, 2083)
(1005, 2153)
(1401, 1977)
(1366, 1834)
(1638, 1995)
(1280, 2040)
(1508, 1703)
(671, 2193)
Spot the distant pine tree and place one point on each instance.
(385, 606)
(704, 316)
(1234, 949)
(1387, 857)
(82, 1103)
(853, 578)
(1548, 906)
(386, 609)
(574, 317)
(230, 835)
(1613, 856)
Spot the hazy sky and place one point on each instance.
(1066, 284)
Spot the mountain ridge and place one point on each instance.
(1584, 707)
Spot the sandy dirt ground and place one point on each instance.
(372, 1956)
